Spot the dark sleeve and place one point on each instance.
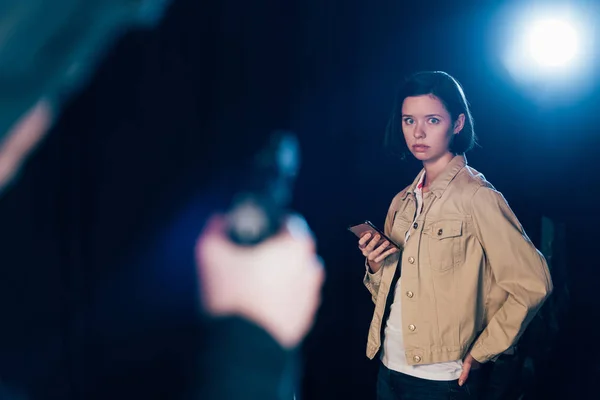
(239, 360)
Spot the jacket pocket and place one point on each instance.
(444, 239)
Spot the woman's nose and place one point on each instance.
(419, 133)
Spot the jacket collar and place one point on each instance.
(441, 182)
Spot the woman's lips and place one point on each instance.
(420, 148)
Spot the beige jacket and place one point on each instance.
(471, 278)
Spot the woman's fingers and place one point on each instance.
(362, 243)
(375, 253)
(373, 249)
(371, 246)
(389, 252)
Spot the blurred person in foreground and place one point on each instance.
(259, 301)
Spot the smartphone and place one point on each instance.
(367, 226)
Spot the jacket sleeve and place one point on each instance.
(518, 268)
(373, 280)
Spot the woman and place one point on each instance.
(468, 279)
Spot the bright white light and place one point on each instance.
(552, 43)
(548, 48)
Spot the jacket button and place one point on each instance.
(412, 327)
(415, 225)
(411, 260)
(440, 232)
(417, 359)
(410, 295)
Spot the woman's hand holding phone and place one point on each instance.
(374, 250)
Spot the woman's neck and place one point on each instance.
(434, 168)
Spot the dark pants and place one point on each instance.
(392, 385)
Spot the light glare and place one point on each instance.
(552, 43)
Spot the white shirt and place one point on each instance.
(393, 355)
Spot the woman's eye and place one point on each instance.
(434, 121)
(408, 121)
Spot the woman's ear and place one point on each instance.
(459, 124)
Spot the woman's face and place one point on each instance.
(428, 127)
